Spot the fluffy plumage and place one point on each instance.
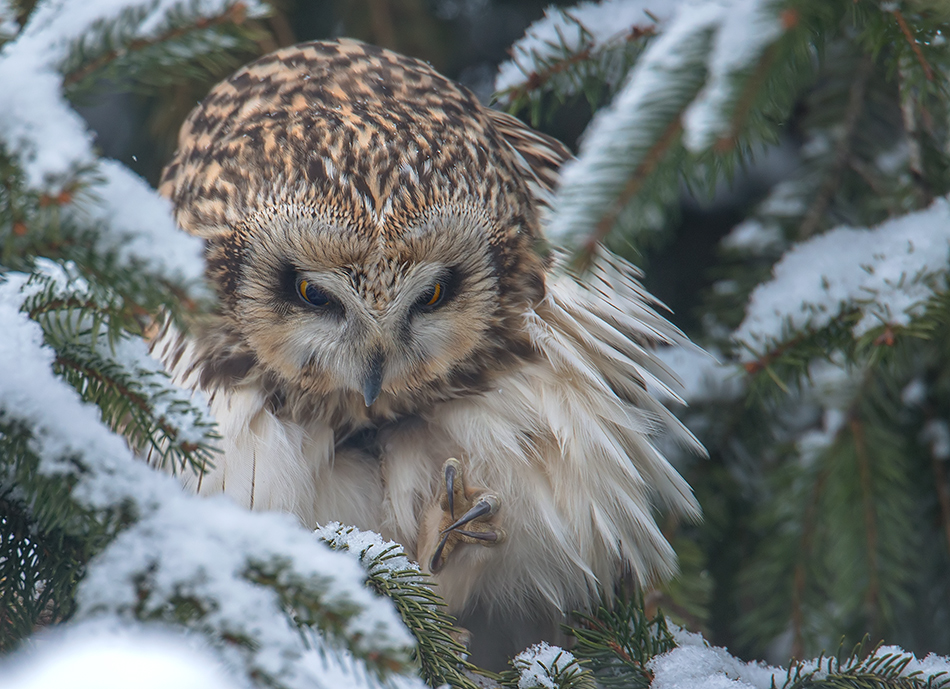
(374, 182)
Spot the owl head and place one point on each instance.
(371, 229)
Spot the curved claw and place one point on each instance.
(451, 471)
(435, 564)
(487, 505)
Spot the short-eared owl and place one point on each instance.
(398, 348)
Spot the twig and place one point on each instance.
(866, 172)
(746, 98)
(767, 359)
(537, 78)
(915, 156)
(870, 520)
(928, 72)
(633, 185)
(943, 494)
(235, 14)
(832, 179)
(800, 575)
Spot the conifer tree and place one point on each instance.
(826, 494)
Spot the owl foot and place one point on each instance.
(478, 508)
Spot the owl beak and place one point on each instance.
(373, 381)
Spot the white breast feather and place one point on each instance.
(575, 466)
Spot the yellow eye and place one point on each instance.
(311, 294)
(436, 295)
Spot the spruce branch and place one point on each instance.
(910, 118)
(566, 67)
(818, 209)
(804, 555)
(618, 641)
(390, 573)
(912, 42)
(547, 667)
(942, 487)
(870, 520)
(882, 668)
(647, 166)
(88, 65)
(135, 396)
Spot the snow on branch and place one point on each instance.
(51, 141)
(694, 664)
(543, 666)
(137, 224)
(89, 655)
(684, 84)
(249, 584)
(588, 32)
(886, 274)
(391, 573)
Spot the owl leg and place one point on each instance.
(469, 515)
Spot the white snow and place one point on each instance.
(694, 664)
(746, 29)
(936, 433)
(620, 135)
(171, 404)
(702, 375)
(596, 26)
(752, 236)
(914, 393)
(887, 272)
(136, 222)
(183, 545)
(90, 657)
(785, 200)
(201, 548)
(367, 546)
(51, 140)
(538, 665)
(726, 37)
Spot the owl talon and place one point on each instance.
(435, 564)
(450, 471)
(480, 517)
(487, 505)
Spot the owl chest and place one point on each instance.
(378, 477)
(386, 478)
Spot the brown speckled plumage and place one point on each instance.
(444, 328)
(363, 135)
(372, 141)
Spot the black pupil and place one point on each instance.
(316, 297)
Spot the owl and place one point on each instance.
(397, 347)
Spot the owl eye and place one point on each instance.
(432, 296)
(311, 294)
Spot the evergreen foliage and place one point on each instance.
(618, 642)
(389, 572)
(826, 498)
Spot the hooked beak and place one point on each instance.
(373, 382)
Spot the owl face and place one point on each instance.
(334, 307)
(370, 229)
